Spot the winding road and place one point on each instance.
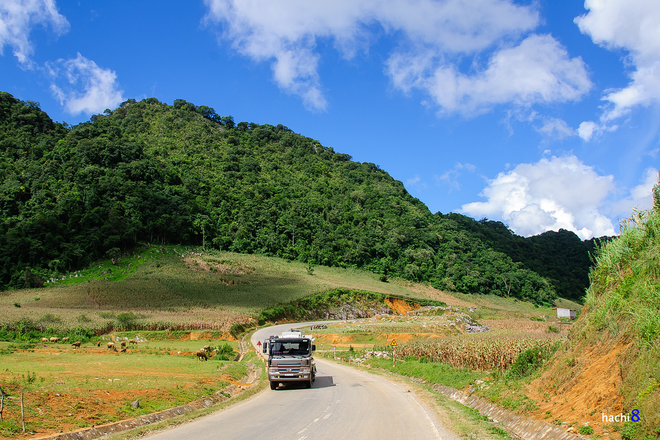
(343, 403)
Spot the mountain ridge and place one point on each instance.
(148, 172)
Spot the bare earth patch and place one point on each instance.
(595, 389)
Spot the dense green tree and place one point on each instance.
(149, 172)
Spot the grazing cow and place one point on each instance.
(123, 344)
(65, 339)
(76, 344)
(132, 341)
(53, 339)
(111, 346)
(207, 348)
(44, 339)
(201, 355)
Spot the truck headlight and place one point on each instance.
(273, 370)
(305, 370)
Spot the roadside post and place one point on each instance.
(334, 347)
(393, 344)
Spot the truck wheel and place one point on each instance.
(273, 385)
(308, 384)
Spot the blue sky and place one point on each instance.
(542, 114)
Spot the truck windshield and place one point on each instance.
(290, 348)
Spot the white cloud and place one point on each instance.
(433, 36)
(413, 180)
(634, 27)
(587, 130)
(450, 177)
(641, 196)
(18, 17)
(557, 128)
(537, 70)
(99, 86)
(555, 193)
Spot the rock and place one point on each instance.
(135, 404)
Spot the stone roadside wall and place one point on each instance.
(523, 427)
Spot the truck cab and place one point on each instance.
(290, 358)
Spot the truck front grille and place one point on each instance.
(288, 368)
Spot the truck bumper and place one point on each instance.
(289, 378)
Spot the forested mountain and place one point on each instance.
(561, 256)
(148, 172)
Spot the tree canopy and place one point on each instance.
(148, 172)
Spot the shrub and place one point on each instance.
(236, 330)
(225, 353)
(586, 430)
(126, 319)
(528, 362)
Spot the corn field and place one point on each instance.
(475, 354)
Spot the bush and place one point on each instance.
(225, 353)
(528, 362)
(236, 330)
(126, 319)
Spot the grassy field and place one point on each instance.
(175, 287)
(66, 388)
(195, 298)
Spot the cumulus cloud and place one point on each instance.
(433, 36)
(587, 130)
(18, 17)
(641, 196)
(537, 70)
(99, 86)
(635, 28)
(556, 193)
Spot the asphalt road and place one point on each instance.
(343, 403)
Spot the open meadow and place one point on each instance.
(172, 301)
(182, 288)
(66, 388)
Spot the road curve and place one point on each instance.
(344, 402)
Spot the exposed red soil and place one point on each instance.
(590, 387)
(400, 306)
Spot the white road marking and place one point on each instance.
(428, 418)
(326, 416)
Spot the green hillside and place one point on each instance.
(148, 172)
(614, 349)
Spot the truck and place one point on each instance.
(290, 358)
